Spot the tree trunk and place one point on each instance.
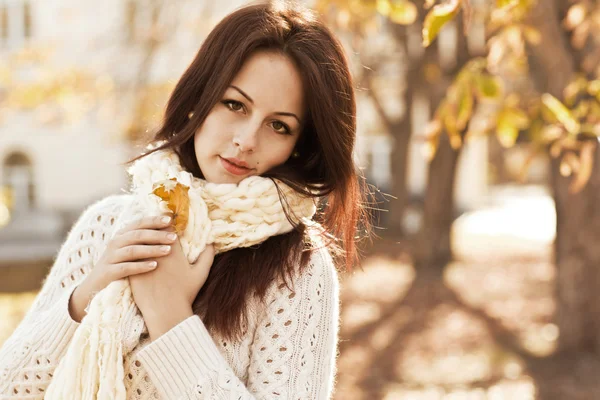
(401, 131)
(577, 258)
(576, 250)
(432, 249)
(399, 169)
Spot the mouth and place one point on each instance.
(235, 166)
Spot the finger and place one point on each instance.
(140, 252)
(145, 236)
(154, 222)
(125, 269)
(207, 256)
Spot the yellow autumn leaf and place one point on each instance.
(403, 13)
(569, 164)
(532, 35)
(428, 4)
(433, 129)
(586, 164)
(510, 122)
(363, 7)
(582, 109)
(506, 3)
(574, 89)
(384, 7)
(593, 88)
(465, 107)
(430, 148)
(178, 201)
(561, 113)
(450, 124)
(488, 87)
(436, 18)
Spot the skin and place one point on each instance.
(254, 131)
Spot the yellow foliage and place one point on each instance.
(585, 166)
(465, 106)
(437, 17)
(488, 86)
(403, 13)
(561, 113)
(510, 121)
(178, 201)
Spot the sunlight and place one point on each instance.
(4, 215)
(522, 221)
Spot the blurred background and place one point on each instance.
(477, 129)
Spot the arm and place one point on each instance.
(30, 355)
(292, 355)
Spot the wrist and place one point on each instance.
(80, 299)
(77, 304)
(159, 322)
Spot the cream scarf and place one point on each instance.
(225, 215)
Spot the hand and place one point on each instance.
(165, 296)
(131, 251)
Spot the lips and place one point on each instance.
(238, 162)
(235, 166)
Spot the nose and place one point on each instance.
(246, 138)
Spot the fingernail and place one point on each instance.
(152, 264)
(172, 236)
(165, 249)
(166, 219)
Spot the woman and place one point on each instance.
(268, 98)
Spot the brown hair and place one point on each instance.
(324, 169)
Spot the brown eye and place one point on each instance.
(280, 127)
(233, 105)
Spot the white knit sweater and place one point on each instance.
(287, 351)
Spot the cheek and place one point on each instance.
(210, 137)
(275, 155)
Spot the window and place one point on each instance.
(130, 17)
(15, 22)
(4, 22)
(18, 177)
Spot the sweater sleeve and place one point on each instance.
(30, 355)
(292, 356)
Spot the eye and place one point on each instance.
(233, 105)
(280, 127)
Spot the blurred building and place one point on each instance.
(60, 156)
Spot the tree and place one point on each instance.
(554, 44)
(56, 93)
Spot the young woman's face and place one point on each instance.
(256, 124)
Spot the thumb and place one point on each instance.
(205, 260)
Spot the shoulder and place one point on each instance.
(99, 217)
(108, 207)
(321, 271)
(318, 280)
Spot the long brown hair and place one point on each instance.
(325, 168)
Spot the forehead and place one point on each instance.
(272, 80)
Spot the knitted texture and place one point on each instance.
(287, 350)
(245, 214)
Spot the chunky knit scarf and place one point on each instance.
(225, 215)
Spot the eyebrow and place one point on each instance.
(289, 114)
